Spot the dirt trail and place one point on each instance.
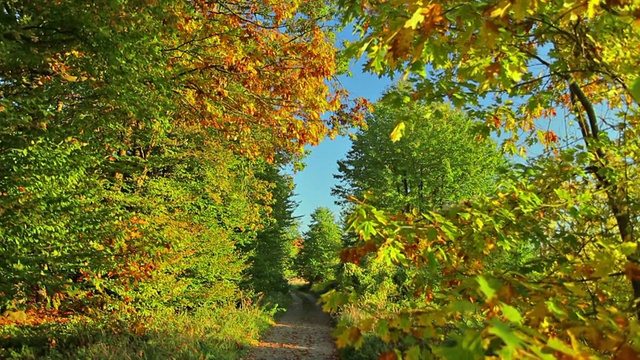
(303, 332)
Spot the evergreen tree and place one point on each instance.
(321, 245)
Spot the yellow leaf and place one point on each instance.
(367, 324)
(342, 340)
(415, 20)
(514, 72)
(488, 34)
(348, 336)
(500, 12)
(417, 51)
(401, 44)
(364, 47)
(398, 132)
(592, 7)
(354, 334)
(413, 353)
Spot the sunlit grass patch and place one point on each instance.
(218, 333)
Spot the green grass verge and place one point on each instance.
(220, 333)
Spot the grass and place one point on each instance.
(216, 333)
(372, 347)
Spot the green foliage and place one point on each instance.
(571, 212)
(192, 215)
(499, 273)
(319, 255)
(223, 333)
(292, 240)
(140, 143)
(271, 252)
(438, 161)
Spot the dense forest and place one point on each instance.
(489, 200)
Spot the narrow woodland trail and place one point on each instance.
(303, 332)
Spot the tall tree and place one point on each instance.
(438, 161)
(319, 255)
(270, 253)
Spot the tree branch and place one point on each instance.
(588, 108)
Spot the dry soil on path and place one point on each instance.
(303, 332)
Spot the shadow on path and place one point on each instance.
(303, 332)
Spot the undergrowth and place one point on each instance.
(218, 333)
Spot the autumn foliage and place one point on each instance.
(133, 139)
(547, 266)
(141, 144)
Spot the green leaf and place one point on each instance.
(432, 233)
(485, 288)
(551, 305)
(506, 333)
(635, 90)
(332, 300)
(467, 347)
(382, 330)
(628, 248)
(559, 345)
(462, 306)
(404, 323)
(432, 261)
(511, 313)
(464, 216)
(413, 353)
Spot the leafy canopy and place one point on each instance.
(437, 161)
(140, 143)
(527, 69)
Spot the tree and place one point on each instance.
(270, 252)
(321, 245)
(133, 139)
(438, 161)
(517, 65)
(130, 135)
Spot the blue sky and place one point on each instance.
(314, 183)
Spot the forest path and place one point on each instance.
(303, 332)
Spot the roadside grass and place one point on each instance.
(219, 333)
(372, 346)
